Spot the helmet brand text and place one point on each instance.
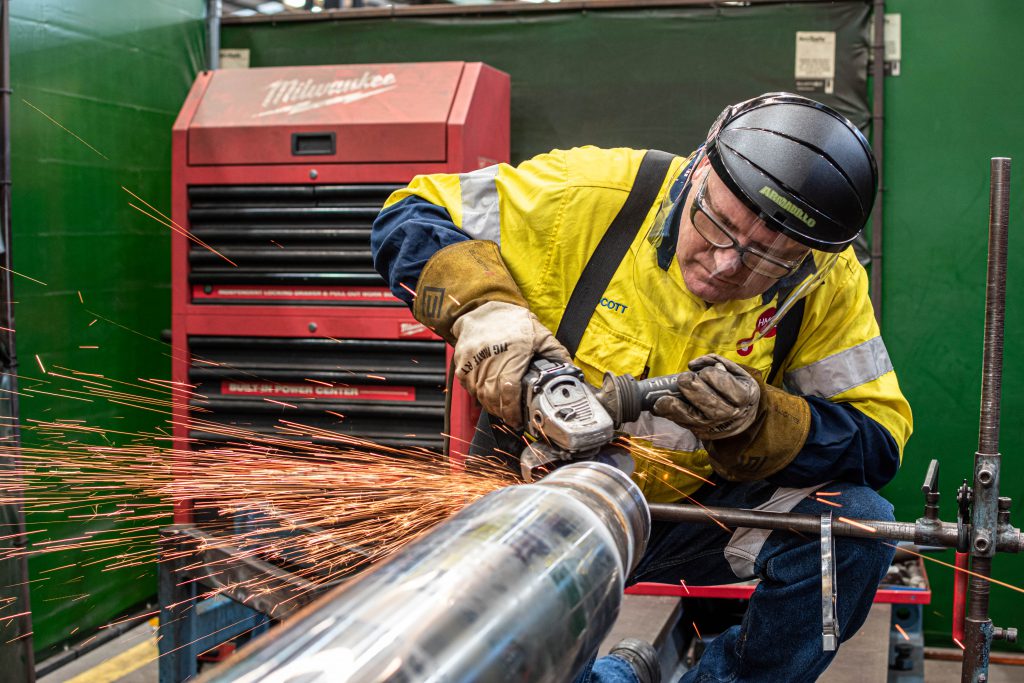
(787, 205)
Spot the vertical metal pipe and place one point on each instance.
(984, 515)
(213, 12)
(995, 307)
(877, 139)
(16, 653)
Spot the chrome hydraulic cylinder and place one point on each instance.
(522, 585)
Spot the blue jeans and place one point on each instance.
(780, 637)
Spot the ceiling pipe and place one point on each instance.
(214, 10)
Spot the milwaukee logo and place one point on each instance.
(293, 96)
(787, 205)
(411, 329)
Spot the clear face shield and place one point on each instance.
(726, 252)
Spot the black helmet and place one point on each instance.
(803, 167)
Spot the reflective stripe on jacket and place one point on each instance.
(548, 215)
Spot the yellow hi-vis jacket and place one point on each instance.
(548, 215)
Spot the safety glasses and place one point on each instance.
(713, 229)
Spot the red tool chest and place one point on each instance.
(278, 174)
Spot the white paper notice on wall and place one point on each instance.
(815, 69)
(893, 44)
(234, 58)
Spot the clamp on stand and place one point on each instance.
(829, 621)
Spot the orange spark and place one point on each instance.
(65, 129)
(851, 522)
(902, 632)
(959, 569)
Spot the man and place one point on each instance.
(741, 271)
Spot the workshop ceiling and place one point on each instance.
(242, 8)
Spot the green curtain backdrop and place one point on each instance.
(657, 78)
(955, 105)
(639, 78)
(115, 75)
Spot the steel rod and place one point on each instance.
(995, 307)
(984, 514)
(922, 532)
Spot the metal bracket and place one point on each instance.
(829, 621)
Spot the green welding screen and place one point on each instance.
(645, 78)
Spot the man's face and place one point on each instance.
(718, 274)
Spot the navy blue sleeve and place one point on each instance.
(843, 444)
(404, 237)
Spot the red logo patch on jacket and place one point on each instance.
(744, 347)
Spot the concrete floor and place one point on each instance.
(131, 658)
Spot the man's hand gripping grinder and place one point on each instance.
(571, 420)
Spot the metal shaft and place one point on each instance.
(522, 585)
(922, 532)
(995, 308)
(984, 515)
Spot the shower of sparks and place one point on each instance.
(320, 504)
(65, 129)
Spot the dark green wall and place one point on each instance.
(114, 73)
(614, 78)
(955, 105)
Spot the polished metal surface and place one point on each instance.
(522, 585)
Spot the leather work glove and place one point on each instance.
(751, 429)
(719, 398)
(466, 294)
(496, 343)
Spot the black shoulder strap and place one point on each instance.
(785, 334)
(610, 251)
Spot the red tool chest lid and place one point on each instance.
(317, 114)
